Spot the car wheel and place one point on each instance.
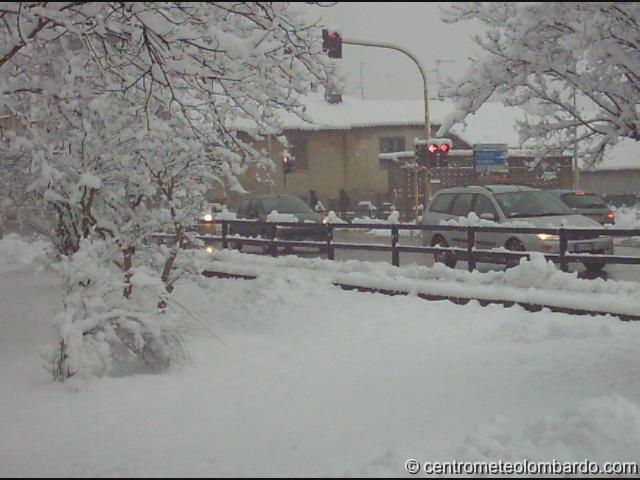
(514, 245)
(447, 258)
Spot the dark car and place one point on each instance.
(259, 208)
(584, 203)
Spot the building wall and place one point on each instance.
(337, 159)
(611, 181)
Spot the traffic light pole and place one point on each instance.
(427, 124)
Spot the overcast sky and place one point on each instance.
(416, 27)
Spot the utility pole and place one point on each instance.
(576, 173)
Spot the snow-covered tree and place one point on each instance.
(538, 55)
(130, 113)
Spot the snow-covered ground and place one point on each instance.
(627, 217)
(292, 376)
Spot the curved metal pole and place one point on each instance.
(423, 73)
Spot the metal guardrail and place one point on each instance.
(471, 254)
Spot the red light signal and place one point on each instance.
(288, 164)
(433, 152)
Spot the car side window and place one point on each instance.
(442, 203)
(483, 205)
(462, 205)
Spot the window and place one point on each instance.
(299, 149)
(462, 205)
(284, 204)
(483, 205)
(530, 203)
(441, 203)
(583, 200)
(391, 144)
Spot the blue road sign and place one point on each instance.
(490, 157)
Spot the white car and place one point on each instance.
(506, 204)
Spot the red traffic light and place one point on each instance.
(433, 148)
(334, 35)
(288, 164)
(444, 148)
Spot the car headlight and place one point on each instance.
(208, 217)
(547, 236)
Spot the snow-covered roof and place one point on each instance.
(493, 123)
(355, 113)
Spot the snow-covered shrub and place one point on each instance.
(102, 330)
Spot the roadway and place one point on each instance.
(614, 272)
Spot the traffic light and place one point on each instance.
(433, 152)
(288, 164)
(332, 43)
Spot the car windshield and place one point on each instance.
(530, 203)
(583, 200)
(285, 204)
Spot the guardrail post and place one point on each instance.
(395, 254)
(471, 245)
(564, 245)
(330, 249)
(225, 232)
(272, 234)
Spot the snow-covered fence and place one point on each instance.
(269, 238)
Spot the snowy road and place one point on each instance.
(614, 272)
